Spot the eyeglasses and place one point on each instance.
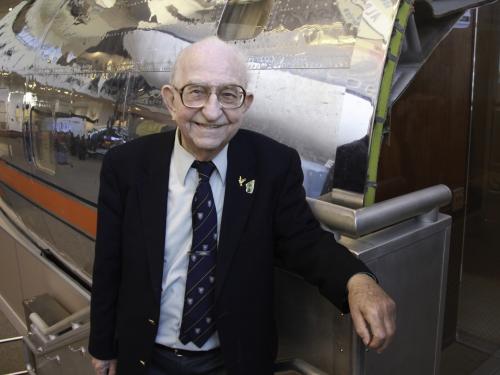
(196, 96)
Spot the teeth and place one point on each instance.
(208, 126)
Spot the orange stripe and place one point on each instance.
(76, 213)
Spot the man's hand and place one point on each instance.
(104, 367)
(373, 312)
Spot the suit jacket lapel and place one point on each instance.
(237, 204)
(153, 190)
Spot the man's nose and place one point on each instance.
(212, 109)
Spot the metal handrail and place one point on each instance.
(60, 325)
(67, 338)
(345, 198)
(358, 222)
(11, 339)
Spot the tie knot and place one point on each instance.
(204, 168)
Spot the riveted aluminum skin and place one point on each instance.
(80, 77)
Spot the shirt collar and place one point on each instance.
(183, 161)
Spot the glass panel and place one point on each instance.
(42, 129)
(15, 117)
(479, 310)
(243, 19)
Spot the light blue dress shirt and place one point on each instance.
(182, 185)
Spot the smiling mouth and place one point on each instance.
(209, 126)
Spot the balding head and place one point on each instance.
(215, 72)
(210, 49)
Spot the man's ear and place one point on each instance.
(248, 101)
(168, 95)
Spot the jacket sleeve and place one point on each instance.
(303, 247)
(107, 270)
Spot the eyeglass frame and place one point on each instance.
(180, 91)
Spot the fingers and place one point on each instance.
(101, 370)
(377, 328)
(112, 367)
(104, 367)
(382, 322)
(379, 340)
(360, 327)
(390, 323)
(373, 312)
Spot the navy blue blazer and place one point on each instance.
(272, 225)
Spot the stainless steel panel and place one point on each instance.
(49, 365)
(71, 247)
(69, 358)
(24, 210)
(306, 323)
(9, 273)
(410, 261)
(416, 278)
(38, 277)
(74, 248)
(75, 358)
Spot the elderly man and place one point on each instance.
(190, 225)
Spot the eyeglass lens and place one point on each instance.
(230, 96)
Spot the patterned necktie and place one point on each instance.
(198, 323)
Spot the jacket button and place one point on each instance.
(143, 363)
(152, 322)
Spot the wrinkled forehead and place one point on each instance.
(211, 64)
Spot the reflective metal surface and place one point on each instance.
(358, 222)
(316, 68)
(410, 260)
(80, 77)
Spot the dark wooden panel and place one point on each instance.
(430, 123)
(428, 144)
(486, 98)
(479, 309)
